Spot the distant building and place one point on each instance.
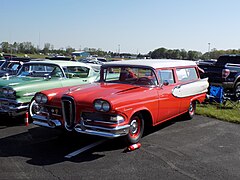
(80, 54)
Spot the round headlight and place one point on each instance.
(98, 105)
(5, 91)
(11, 91)
(38, 98)
(105, 106)
(41, 98)
(44, 99)
(101, 105)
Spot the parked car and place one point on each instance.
(9, 56)
(11, 67)
(1, 62)
(93, 62)
(58, 58)
(16, 92)
(224, 72)
(130, 95)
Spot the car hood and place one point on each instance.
(86, 94)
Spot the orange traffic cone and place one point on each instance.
(134, 147)
(26, 119)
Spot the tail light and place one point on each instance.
(225, 73)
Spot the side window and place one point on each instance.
(166, 75)
(56, 72)
(112, 74)
(186, 74)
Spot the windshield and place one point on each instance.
(14, 66)
(40, 70)
(130, 75)
(1, 62)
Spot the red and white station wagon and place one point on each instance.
(130, 95)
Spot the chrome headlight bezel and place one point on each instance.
(11, 91)
(5, 91)
(101, 105)
(41, 98)
(8, 91)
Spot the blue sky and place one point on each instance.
(136, 26)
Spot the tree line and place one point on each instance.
(160, 53)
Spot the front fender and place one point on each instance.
(130, 112)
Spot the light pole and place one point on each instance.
(119, 49)
(209, 50)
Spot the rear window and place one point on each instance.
(166, 76)
(222, 60)
(186, 74)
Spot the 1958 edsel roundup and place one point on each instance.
(130, 95)
(17, 92)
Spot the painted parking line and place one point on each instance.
(79, 151)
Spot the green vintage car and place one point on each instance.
(17, 92)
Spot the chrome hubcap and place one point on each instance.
(191, 109)
(35, 108)
(134, 126)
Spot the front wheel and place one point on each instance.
(33, 108)
(237, 90)
(191, 110)
(136, 129)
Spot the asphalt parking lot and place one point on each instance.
(202, 148)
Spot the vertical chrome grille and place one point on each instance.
(69, 113)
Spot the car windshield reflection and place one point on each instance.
(40, 70)
(130, 75)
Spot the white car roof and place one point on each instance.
(154, 63)
(60, 63)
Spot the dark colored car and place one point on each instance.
(9, 56)
(224, 72)
(11, 67)
(58, 58)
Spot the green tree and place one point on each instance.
(5, 46)
(194, 55)
(183, 54)
(46, 48)
(69, 50)
(159, 53)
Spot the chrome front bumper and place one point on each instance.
(102, 131)
(82, 128)
(45, 121)
(12, 107)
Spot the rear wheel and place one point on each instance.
(191, 110)
(136, 129)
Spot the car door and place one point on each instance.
(168, 104)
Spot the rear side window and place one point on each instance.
(186, 74)
(166, 76)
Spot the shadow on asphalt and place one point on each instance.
(9, 122)
(163, 125)
(45, 146)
